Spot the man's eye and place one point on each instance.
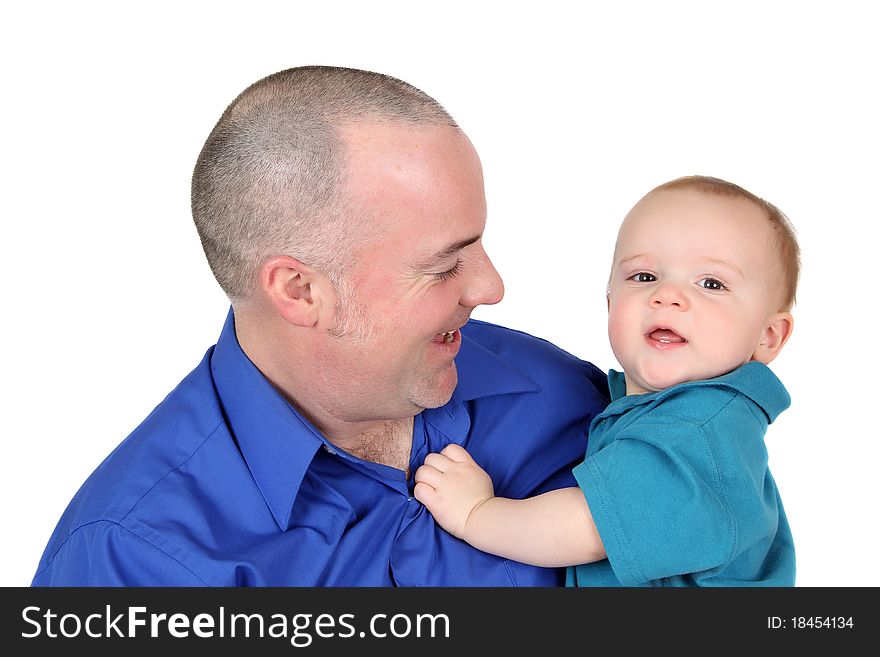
(711, 284)
(643, 277)
(449, 273)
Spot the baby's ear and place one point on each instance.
(774, 336)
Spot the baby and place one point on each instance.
(674, 489)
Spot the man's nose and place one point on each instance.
(669, 294)
(485, 285)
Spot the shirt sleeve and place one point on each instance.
(656, 497)
(105, 553)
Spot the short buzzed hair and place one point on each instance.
(270, 177)
(786, 240)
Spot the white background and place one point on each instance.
(577, 109)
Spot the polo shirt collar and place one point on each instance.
(753, 380)
(758, 382)
(616, 384)
(278, 443)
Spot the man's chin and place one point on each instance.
(437, 392)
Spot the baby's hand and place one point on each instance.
(451, 485)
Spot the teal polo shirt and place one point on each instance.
(679, 487)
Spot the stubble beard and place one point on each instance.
(353, 323)
(354, 326)
(427, 391)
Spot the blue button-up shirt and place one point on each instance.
(226, 484)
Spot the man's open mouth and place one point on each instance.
(447, 337)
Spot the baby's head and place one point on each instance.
(703, 279)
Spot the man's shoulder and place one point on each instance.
(518, 347)
(168, 438)
(553, 369)
(504, 355)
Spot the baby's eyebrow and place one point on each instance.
(632, 257)
(724, 263)
(716, 261)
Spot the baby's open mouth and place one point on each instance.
(666, 336)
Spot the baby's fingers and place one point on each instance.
(456, 453)
(439, 462)
(425, 494)
(429, 475)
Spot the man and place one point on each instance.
(342, 212)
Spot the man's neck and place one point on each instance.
(388, 442)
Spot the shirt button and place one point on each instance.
(329, 449)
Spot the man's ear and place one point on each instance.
(774, 336)
(298, 292)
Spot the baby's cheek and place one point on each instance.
(617, 331)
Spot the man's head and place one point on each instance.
(271, 177)
(347, 208)
(703, 279)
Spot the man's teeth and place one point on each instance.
(449, 336)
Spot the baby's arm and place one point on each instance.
(553, 529)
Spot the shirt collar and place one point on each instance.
(616, 384)
(753, 380)
(278, 443)
(481, 373)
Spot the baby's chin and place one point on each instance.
(647, 382)
(641, 386)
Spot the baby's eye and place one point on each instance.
(643, 277)
(711, 284)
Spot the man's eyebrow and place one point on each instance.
(447, 251)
